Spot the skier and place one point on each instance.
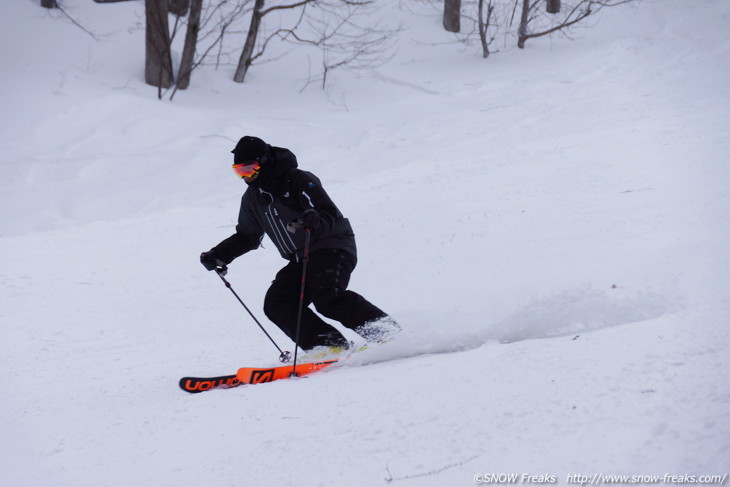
(285, 202)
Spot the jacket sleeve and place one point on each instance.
(248, 236)
(313, 196)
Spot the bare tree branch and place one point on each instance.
(333, 27)
(77, 24)
(285, 7)
(581, 10)
(219, 29)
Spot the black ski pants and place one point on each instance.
(328, 274)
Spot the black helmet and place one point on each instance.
(250, 149)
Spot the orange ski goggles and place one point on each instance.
(247, 169)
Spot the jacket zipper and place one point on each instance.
(280, 231)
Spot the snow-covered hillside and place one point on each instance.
(550, 227)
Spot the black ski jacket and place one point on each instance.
(277, 197)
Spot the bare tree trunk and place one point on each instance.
(524, 21)
(191, 41)
(158, 59)
(484, 25)
(179, 7)
(553, 6)
(245, 61)
(49, 4)
(452, 15)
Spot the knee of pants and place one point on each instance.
(326, 298)
(278, 310)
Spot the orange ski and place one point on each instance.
(250, 375)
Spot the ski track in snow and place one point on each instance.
(549, 227)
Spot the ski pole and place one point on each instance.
(301, 299)
(221, 271)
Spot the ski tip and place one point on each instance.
(194, 385)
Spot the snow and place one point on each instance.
(549, 226)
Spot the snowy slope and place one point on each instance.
(549, 226)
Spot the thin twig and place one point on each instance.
(437, 471)
(93, 36)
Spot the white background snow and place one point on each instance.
(550, 226)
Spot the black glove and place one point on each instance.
(210, 261)
(311, 220)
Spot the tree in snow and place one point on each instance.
(514, 19)
(334, 26)
(191, 43)
(158, 56)
(205, 28)
(452, 15)
(339, 30)
(533, 23)
(484, 20)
